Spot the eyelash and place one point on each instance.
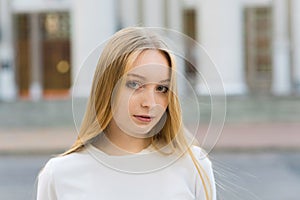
(165, 88)
(138, 85)
(129, 84)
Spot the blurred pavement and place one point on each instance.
(252, 124)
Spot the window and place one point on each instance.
(56, 26)
(258, 41)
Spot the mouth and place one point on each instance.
(143, 118)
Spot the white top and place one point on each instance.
(88, 175)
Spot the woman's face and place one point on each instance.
(140, 99)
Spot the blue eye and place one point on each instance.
(133, 84)
(162, 89)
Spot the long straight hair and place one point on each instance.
(116, 59)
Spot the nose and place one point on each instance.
(148, 98)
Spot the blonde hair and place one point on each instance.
(117, 57)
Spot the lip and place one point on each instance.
(143, 118)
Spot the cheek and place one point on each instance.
(122, 103)
(163, 102)
(132, 102)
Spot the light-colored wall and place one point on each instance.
(129, 13)
(31, 6)
(281, 49)
(8, 88)
(295, 22)
(219, 30)
(93, 22)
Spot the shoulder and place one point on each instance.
(198, 150)
(202, 157)
(58, 171)
(200, 154)
(60, 160)
(62, 164)
(196, 155)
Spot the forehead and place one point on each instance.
(150, 57)
(151, 64)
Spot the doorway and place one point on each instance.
(54, 30)
(258, 52)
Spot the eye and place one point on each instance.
(133, 84)
(162, 89)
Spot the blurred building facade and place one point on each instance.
(254, 43)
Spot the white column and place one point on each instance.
(8, 91)
(93, 22)
(295, 25)
(174, 22)
(219, 29)
(153, 13)
(175, 13)
(36, 78)
(129, 13)
(281, 55)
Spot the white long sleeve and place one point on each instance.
(46, 185)
(207, 166)
(80, 176)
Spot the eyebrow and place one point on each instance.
(144, 78)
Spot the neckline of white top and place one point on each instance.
(92, 148)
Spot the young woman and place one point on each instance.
(131, 144)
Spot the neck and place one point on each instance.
(121, 143)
